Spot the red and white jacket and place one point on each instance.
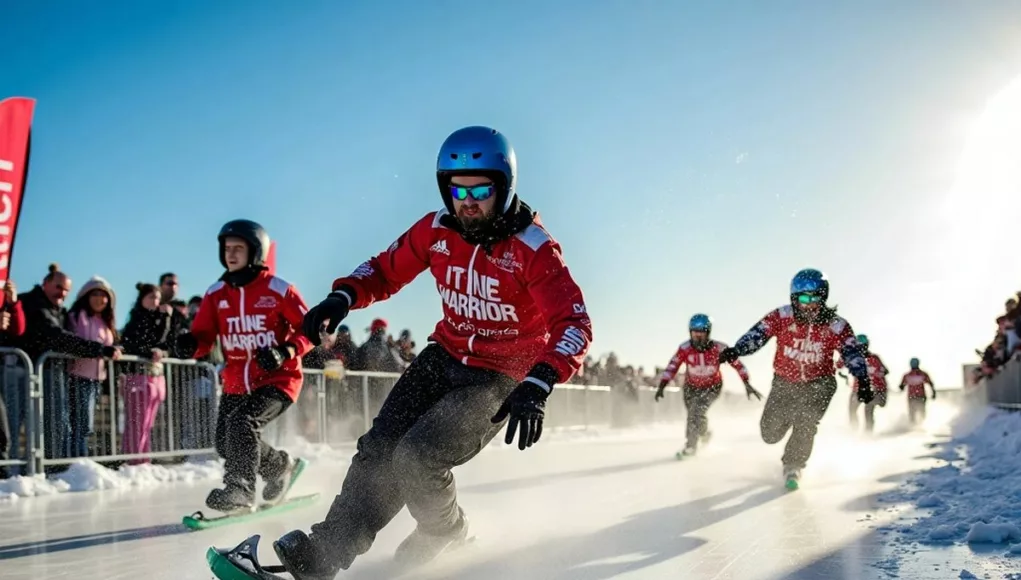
(804, 351)
(915, 381)
(877, 372)
(703, 366)
(507, 311)
(266, 312)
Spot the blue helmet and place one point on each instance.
(478, 151)
(863, 340)
(812, 282)
(914, 364)
(700, 322)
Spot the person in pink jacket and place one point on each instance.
(90, 317)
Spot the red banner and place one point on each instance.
(271, 258)
(15, 146)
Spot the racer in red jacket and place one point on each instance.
(877, 375)
(807, 332)
(514, 325)
(703, 381)
(257, 319)
(915, 381)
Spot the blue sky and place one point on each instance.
(688, 157)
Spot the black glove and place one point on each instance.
(728, 355)
(334, 308)
(526, 406)
(185, 345)
(934, 394)
(865, 394)
(749, 390)
(108, 352)
(659, 391)
(270, 358)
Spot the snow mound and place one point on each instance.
(87, 475)
(974, 498)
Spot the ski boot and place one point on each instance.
(231, 499)
(420, 548)
(791, 476)
(276, 488)
(688, 451)
(304, 559)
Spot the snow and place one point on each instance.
(973, 497)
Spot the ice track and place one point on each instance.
(576, 507)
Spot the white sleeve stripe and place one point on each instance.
(345, 295)
(542, 384)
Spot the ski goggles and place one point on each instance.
(809, 298)
(477, 192)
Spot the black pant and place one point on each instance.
(916, 409)
(238, 441)
(437, 416)
(697, 402)
(5, 437)
(796, 407)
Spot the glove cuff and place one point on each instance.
(544, 376)
(345, 291)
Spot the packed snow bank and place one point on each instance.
(975, 497)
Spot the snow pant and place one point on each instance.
(796, 407)
(916, 409)
(14, 393)
(5, 438)
(56, 419)
(437, 416)
(82, 395)
(143, 395)
(239, 426)
(870, 408)
(697, 401)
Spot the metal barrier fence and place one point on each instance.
(1003, 389)
(133, 410)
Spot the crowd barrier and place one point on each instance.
(1003, 390)
(133, 410)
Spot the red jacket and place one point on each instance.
(703, 367)
(877, 372)
(915, 380)
(17, 327)
(506, 311)
(265, 312)
(804, 351)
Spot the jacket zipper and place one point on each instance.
(471, 270)
(248, 353)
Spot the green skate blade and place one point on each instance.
(224, 569)
(198, 521)
(300, 466)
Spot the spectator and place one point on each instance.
(145, 336)
(12, 383)
(179, 322)
(46, 330)
(405, 347)
(375, 354)
(91, 317)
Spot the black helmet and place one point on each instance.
(251, 232)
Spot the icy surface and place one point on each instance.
(579, 506)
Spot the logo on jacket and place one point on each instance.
(474, 296)
(440, 247)
(507, 263)
(265, 302)
(223, 305)
(804, 351)
(571, 343)
(363, 271)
